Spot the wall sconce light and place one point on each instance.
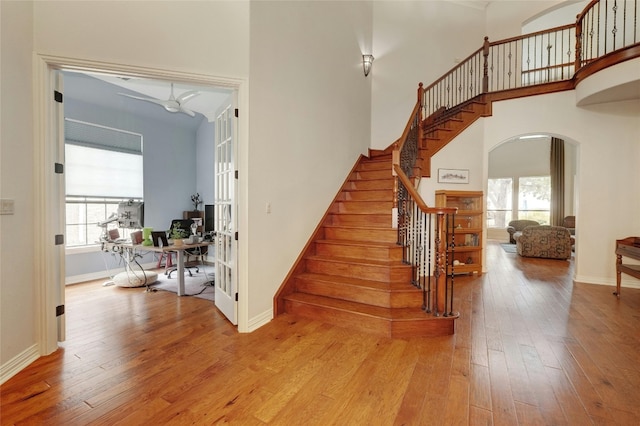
(367, 61)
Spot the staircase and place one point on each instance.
(352, 273)
(445, 124)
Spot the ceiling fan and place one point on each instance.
(172, 104)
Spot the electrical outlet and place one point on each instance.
(268, 207)
(6, 206)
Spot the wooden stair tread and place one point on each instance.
(365, 201)
(368, 190)
(359, 261)
(388, 314)
(361, 213)
(378, 244)
(359, 282)
(360, 225)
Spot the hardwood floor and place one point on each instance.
(530, 348)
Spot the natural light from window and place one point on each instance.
(518, 198)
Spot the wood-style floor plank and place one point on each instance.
(531, 348)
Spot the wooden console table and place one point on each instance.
(628, 247)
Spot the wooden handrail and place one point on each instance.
(587, 8)
(424, 248)
(533, 34)
(399, 143)
(452, 70)
(416, 195)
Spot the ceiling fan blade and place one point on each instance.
(171, 105)
(155, 101)
(187, 111)
(187, 96)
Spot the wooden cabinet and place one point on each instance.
(195, 214)
(627, 247)
(468, 228)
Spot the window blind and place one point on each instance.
(102, 162)
(101, 137)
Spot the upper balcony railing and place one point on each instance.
(505, 69)
(606, 26)
(549, 56)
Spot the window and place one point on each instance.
(499, 202)
(532, 200)
(103, 166)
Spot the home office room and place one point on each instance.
(152, 170)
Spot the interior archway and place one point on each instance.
(512, 162)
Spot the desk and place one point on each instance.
(178, 249)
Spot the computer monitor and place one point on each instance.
(183, 227)
(208, 218)
(131, 214)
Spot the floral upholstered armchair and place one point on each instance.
(518, 226)
(551, 242)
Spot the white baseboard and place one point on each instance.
(260, 320)
(18, 363)
(627, 282)
(75, 279)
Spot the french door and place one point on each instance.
(225, 226)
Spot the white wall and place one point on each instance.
(209, 37)
(415, 42)
(556, 16)
(465, 152)
(609, 148)
(310, 106)
(505, 18)
(18, 327)
(205, 149)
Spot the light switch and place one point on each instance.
(6, 206)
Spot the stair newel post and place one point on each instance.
(440, 272)
(417, 242)
(485, 68)
(451, 220)
(426, 289)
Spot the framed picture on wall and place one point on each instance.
(453, 175)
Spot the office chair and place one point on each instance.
(183, 227)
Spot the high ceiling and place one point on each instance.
(102, 90)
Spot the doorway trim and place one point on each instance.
(47, 143)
